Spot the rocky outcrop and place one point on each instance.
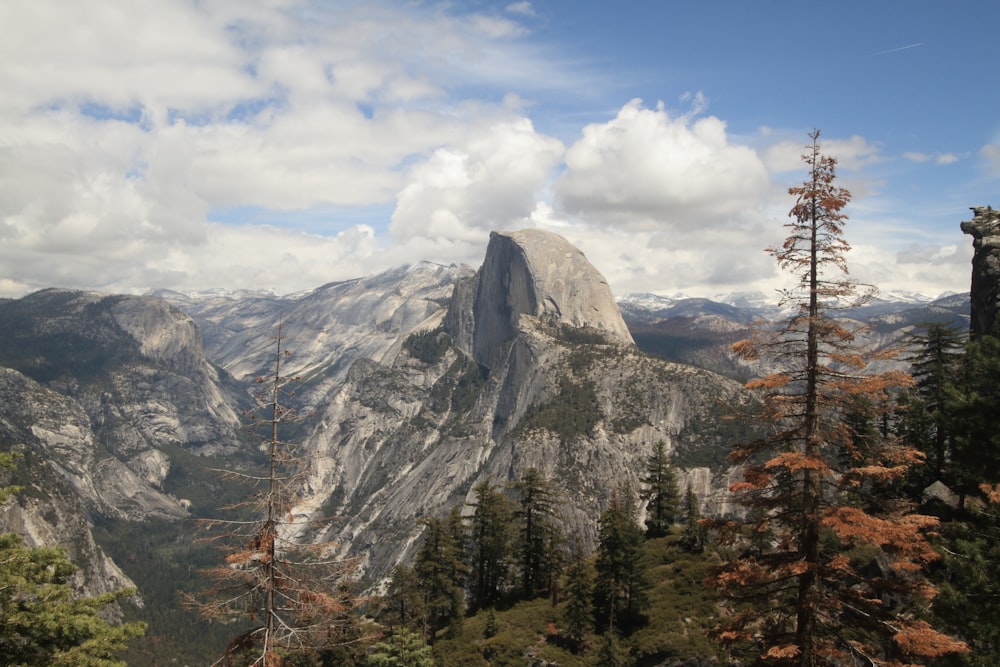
(135, 364)
(65, 478)
(528, 277)
(540, 274)
(985, 291)
(100, 395)
(57, 430)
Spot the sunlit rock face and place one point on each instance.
(98, 395)
(985, 292)
(408, 435)
(538, 273)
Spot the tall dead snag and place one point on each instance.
(829, 568)
(295, 595)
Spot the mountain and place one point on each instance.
(422, 381)
(700, 331)
(110, 403)
(413, 385)
(56, 469)
(518, 371)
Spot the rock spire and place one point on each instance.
(985, 291)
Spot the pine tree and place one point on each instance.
(8, 460)
(539, 540)
(842, 578)
(693, 537)
(441, 572)
(968, 600)
(619, 594)
(610, 652)
(927, 423)
(659, 491)
(490, 544)
(299, 597)
(578, 614)
(403, 648)
(972, 405)
(404, 603)
(42, 621)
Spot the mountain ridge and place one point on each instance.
(396, 430)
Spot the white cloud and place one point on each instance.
(991, 152)
(490, 182)
(523, 8)
(644, 170)
(126, 125)
(130, 128)
(853, 153)
(938, 158)
(917, 157)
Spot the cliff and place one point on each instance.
(529, 365)
(985, 291)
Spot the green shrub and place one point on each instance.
(428, 346)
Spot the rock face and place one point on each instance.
(100, 395)
(540, 274)
(985, 292)
(63, 479)
(532, 366)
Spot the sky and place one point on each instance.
(285, 144)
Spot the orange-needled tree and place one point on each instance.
(295, 597)
(829, 567)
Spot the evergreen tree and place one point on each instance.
(660, 491)
(490, 544)
(539, 537)
(968, 600)
(972, 403)
(842, 578)
(441, 573)
(578, 614)
(403, 648)
(42, 622)
(492, 626)
(404, 601)
(8, 460)
(693, 537)
(619, 594)
(610, 652)
(927, 423)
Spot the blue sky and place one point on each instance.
(283, 144)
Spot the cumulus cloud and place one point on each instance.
(491, 182)
(645, 170)
(129, 126)
(853, 153)
(135, 134)
(926, 254)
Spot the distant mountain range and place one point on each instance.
(699, 331)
